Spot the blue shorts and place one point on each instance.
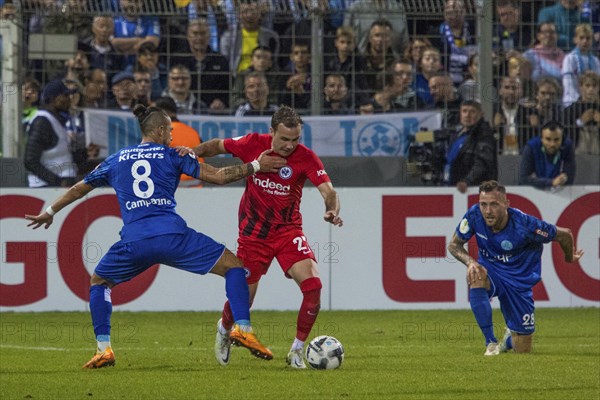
(189, 251)
(516, 305)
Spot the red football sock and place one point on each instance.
(311, 303)
(227, 316)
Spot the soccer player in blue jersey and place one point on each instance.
(145, 178)
(509, 264)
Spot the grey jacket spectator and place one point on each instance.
(49, 156)
(362, 13)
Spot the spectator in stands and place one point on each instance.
(414, 51)
(547, 107)
(30, 94)
(446, 98)
(362, 14)
(256, 89)
(336, 96)
(62, 17)
(209, 69)
(381, 101)
(469, 89)
(545, 57)
(301, 31)
(456, 42)
(429, 65)
(148, 59)
(511, 34)
(94, 88)
(583, 116)
(471, 157)
(378, 54)
(75, 127)
(510, 117)
(100, 51)
(239, 40)
(77, 67)
(262, 61)
(520, 68)
(295, 80)
(123, 88)
(181, 135)
(143, 86)
(565, 15)
(351, 65)
(548, 161)
(132, 29)
(578, 61)
(178, 88)
(591, 10)
(48, 156)
(213, 14)
(404, 97)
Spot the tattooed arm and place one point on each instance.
(222, 176)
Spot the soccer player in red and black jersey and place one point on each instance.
(270, 223)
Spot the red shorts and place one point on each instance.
(257, 254)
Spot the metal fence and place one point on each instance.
(41, 23)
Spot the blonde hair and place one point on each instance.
(583, 29)
(345, 31)
(589, 76)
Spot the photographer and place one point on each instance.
(471, 155)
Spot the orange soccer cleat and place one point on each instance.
(248, 340)
(101, 360)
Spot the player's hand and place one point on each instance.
(333, 218)
(475, 273)
(39, 220)
(577, 254)
(184, 151)
(270, 163)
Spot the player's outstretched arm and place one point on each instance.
(222, 176)
(210, 148)
(74, 193)
(564, 237)
(332, 204)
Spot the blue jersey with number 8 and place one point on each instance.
(145, 178)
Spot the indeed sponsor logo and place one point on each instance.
(268, 184)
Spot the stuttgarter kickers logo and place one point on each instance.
(379, 139)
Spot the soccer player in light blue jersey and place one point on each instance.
(145, 178)
(509, 264)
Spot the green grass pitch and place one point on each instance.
(389, 355)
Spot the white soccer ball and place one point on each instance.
(324, 352)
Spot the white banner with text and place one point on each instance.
(390, 253)
(367, 135)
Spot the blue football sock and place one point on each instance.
(482, 309)
(238, 295)
(101, 309)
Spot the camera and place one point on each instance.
(427, 155)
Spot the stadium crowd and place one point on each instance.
(247, 57)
